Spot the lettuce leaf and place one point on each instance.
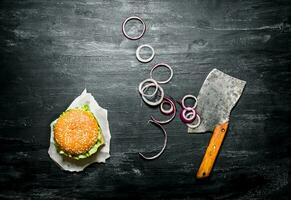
(85, 107)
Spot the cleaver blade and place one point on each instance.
(217, 97)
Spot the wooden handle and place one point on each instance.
(212, 150)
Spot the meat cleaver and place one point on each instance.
(218, 95)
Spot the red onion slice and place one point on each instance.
(165, 143)
(161, 96)
(196, 124)
(173, 114)
(187, 115)
(142, 87)
(162, 65)
(188, 97)
(133, 18)
(139, 58)
(169, 102)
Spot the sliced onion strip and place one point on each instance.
(164, 146)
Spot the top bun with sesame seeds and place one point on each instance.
(77, 133)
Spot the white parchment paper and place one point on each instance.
(70, 164)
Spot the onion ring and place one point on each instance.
(139, 58)
(173, 114)
(186, 97)
(162, 65)
(141, 88)
(190, 117)
(164, 146)
(197, 124)
(133, 18)
(161, 96)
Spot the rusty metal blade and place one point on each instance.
(218, 95)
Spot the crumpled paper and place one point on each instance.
(69, 164)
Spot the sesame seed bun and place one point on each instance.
(76, 131)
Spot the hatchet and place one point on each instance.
(218, 95)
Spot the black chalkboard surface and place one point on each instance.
(52, 50)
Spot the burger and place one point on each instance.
(77, 133)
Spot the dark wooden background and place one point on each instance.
(52, 50)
